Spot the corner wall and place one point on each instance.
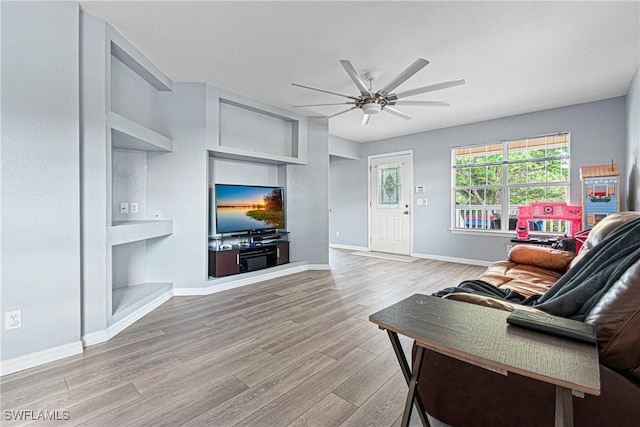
(40, 223)
(308, 193)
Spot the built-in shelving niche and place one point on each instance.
(249, 133)
(131, 288)
(135, 129)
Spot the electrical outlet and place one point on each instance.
(124, 208)
(134, 207)
(13, 320)
(420, 202)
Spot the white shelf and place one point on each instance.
(231, 153)
(130, 135)
(128, 299)
(122, 232)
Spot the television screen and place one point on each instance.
(248, 208)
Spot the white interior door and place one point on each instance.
(390, 203)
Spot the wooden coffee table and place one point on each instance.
(481, 336)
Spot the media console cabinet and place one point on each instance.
(241, 253)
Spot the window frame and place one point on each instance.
(504, 186)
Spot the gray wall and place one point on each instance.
(348, 202)
(597, 136)
(632, 116)
(180, 187)
(40, 223)
(308, 199)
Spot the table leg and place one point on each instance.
(564, 407)
(412, 380)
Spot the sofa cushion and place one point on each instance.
(543, 257)
(527, 280)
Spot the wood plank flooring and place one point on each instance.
(293, 351)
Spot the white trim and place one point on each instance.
(237, 282)
(319, 267)
(348, 247)
(41, 357)
(395, 153)
(96, 337)
(479, 262)
(113, 330)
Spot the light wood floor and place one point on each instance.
(293, 351)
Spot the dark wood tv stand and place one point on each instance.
(242, 253)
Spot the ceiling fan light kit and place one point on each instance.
(372, 103)
(371, 108)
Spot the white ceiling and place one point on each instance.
(516, 57)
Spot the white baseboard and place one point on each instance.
(233, 282)
(314, 267)
(113, 330)
(348, 247)
(30, 360)
(453, 259)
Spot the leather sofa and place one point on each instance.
(461, 394)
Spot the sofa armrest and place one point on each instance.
(489, 302)
(542, 257)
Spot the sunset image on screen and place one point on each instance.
(246, 208)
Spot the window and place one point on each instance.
(491, 181)
(390, 185)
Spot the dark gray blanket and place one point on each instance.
(577, 291)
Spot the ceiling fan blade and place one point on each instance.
(430, 88)
(351, 70)
(341, 112)
(418, 65)
(422, 103)
(322, 105)
(396, 113)
(323, 90)
(365, 119)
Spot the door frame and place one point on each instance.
(370, 201)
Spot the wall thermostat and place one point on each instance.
(420, 189)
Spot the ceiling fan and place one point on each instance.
(371, 102)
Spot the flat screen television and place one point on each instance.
(248, 208)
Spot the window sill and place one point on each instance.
(490, 233)
(485, 233)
